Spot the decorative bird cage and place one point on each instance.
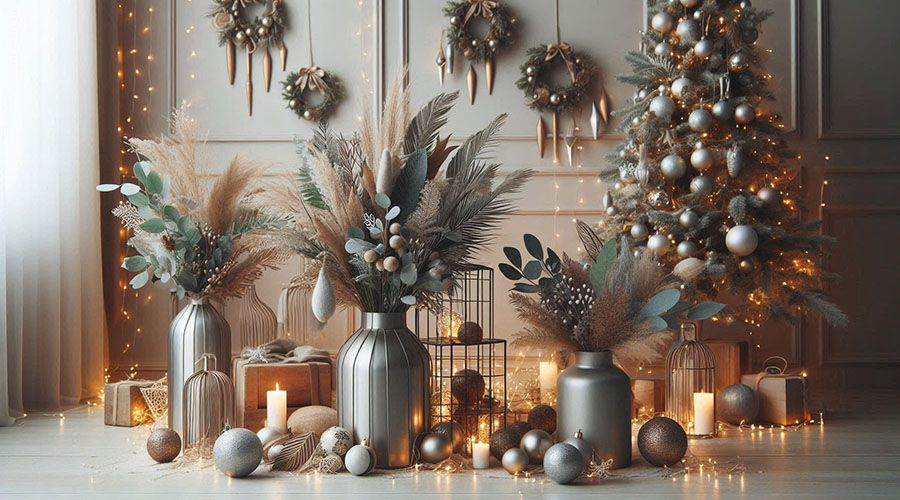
(292, 312)
(468, 377)
(208, 406)
(691, 384)
(258, 322)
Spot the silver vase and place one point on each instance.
(382, 387)
(197, 330)
(594, 397)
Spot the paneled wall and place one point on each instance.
(827, 61)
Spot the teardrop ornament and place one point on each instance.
(267, 69)
(229, 60)
(322, 301)
(489, 74)
(604, 107)
(541, 135)
(595, 120)
(283, 51)
(470, 83)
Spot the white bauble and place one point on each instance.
(267, 434)
(662, 49)
(744, 113)
(662, 22)
(336, 440)
(686, 248)
(680, 86)
(658, 244)
(704, 48)
(663, 106)
(688, 30)
(700, 120)
(702, 159)
(360, 459)
(688, 218)
(770, 196)
(702, 185)
(722, 110)
(639, 231)
(322, 301)
(741, 240)
(673, 167)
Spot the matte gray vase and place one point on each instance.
(594, 396)
(383, 393)
(198, 329)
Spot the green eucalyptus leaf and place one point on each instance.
(514, 256)
(356, 245)
(532, 270)
(146, 212)
(553, 261)
(509, 271)
(408, 274)
(154, 183)
(661, 302)
(355, 232)
(526, 288)
(171, 213)
(106, 188)
(139, 280)
(658, 323)
(140, 171)
(134, 263)
(382, 200)
(534, 247)
(605, 261)
(409, 184)
(154, 226)
(139, 200)
(380, 248)
(408, 300)
(392, 213)
(128, 189)
(704, 310)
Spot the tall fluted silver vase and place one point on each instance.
(594, 397)
(197, 330)
(383, 394)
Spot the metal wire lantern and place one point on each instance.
(208, 406)
(292, 312)
(258, 322)
(690, 381)
(447, 336)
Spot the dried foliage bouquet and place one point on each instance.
(619, 301)
(390, 225)
(196, 238)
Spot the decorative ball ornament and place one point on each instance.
(662, 49)
(745, 4)
(737, 404)
(360, 459)
(739, 61)
(163, 445)
(336, 440)
(662, 442)
(536, 443)
(700, 120)
(686, 248)
(702, 185)
(702, 159)
(267, 434)
(658, 198)
(663, 106)
(555, 99)
(681, 86)
(662, 22)
(237, 452)
(584, 447)
(563, 463)
(639, 231)
(435, 448)
(741, 240)
(503, 440)
(746, 266)
(750, 35)
(542, 417)
(770, 196)
(658, 244)
(722, 110)
(688, 30)
(744, 113)
(673, 167)
(690, 3)
(470, 333)
(452, 431)
(704, 48)
(688, 218)
(514, 461)
(467, 386)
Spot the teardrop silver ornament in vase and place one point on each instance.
(322, 301)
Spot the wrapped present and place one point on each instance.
(123, 403)
(649, 397)
(302, 371)
(782, 396)
(732, 361)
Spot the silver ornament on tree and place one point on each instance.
(563, 463)
(741, 240)
(688, 218)
(681, 86)
(770, 196)
(739, 61)
(515, 460)
(686, 248)
(722, 110)
(639, 231)
(607, 200)
(704, 48)
(663, 106)
(690, 3)
(360, 459)
(662, 442)
(237, 452)
(734, 159)
(662, 22)
(673, 167)
(700, 120)
(749, 35)
(737, 404)
(662, 49)
(435, 448)
(688, 30)
(702, 185)
(702, 158)
(744, 113)
(746, 266)
(536, 443)
(658, 244)
(658, 198)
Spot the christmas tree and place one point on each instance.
(703, 171)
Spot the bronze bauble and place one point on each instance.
(662, 442)
(503, 440)
(163, 445)
(467, 386)
(470, 333)
(542, 417)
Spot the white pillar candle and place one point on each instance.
(276, 409)
(704, 413)
(548, 375)
(481, 455)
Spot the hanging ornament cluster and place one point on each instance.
(460, 38)
(301, 85)
(259, 34)
(544, 96)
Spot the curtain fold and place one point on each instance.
(52, 324)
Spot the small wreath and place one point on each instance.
(262, 31)
(313, 79)
(542, 95)
(475, 49)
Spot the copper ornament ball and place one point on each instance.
(519, 429)
(469, 333)
(163, 445)
(504, 440)
(467, 386)
(542, 417)
(452, 431)
(662, 441)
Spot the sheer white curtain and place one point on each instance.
(52, 323)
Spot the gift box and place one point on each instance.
(649, 397)
(782, 398)
(306, 383)
(732, 361)
(123, 403)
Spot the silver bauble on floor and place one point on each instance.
(237, 452)
(737, 404)
(563, 463)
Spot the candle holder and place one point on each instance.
(690, 376)
(465, 355)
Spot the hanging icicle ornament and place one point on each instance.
(264, 31)
(309, 80)
(441, 60)
(460, 38)
(322, 301)
(544, 96)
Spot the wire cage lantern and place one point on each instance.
(258, 322)
(208, 406)
(691, 384)
(468, 376)
(292, 316)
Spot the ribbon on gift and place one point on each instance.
(284, 351)
(480, 8)
(311, 78)
(564, 50)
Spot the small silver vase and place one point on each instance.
(197, 330)
(594, 397)
(383, 395)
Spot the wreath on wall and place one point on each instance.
(228, 18)
(500, 33)
(541, 61)
(313, 79)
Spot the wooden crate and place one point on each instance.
(732, 361)
(306, 384)
(782, 398)
(649, 396)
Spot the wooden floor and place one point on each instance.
(853, 455)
